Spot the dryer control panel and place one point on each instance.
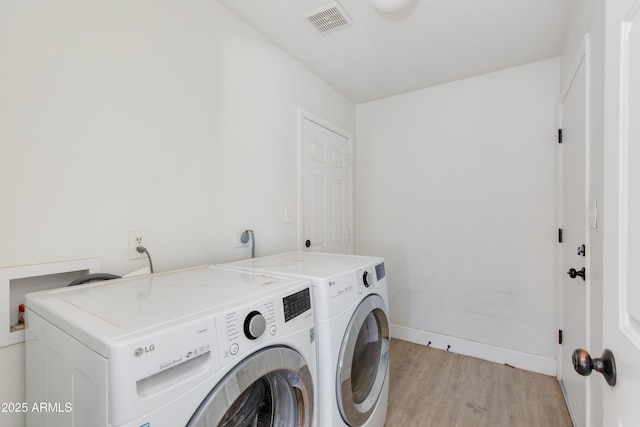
(371, 276)
(336, 294)
(366, 280)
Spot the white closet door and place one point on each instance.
(326, 189)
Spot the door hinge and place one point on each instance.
(559, 235)
(559, 336)
(559, 136)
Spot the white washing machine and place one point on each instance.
(352, 323)
(197, 347)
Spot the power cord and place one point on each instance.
(245, 238)
(141, 249)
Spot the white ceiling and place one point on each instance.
(429, 43)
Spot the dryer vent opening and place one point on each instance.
(328, 18)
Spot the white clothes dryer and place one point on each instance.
(197, 347)
(352, 331)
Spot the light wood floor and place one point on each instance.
(430, 387)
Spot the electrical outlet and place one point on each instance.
(137, 238)
(237, 243)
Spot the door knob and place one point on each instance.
(573, 273)
(307, 243)
(605, 364)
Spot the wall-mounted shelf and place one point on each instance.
(15, 282)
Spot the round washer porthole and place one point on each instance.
(272, 387)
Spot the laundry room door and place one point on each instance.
(574, 273)
(621, 275)
(327, 186)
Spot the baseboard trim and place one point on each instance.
(518, 359)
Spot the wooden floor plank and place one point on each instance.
(433, 388)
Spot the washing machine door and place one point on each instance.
(272, 387)
(364, 361)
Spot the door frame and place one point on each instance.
(583, 55)
(307, 115)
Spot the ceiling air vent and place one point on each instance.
(328, 17)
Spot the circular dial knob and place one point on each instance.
(254, 325)
(364, 279)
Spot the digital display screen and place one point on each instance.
(380, 271)
(296, 304)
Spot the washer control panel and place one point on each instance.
(249, 325)
(246, 325)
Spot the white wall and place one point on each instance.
(456, 188)
(171, 117)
